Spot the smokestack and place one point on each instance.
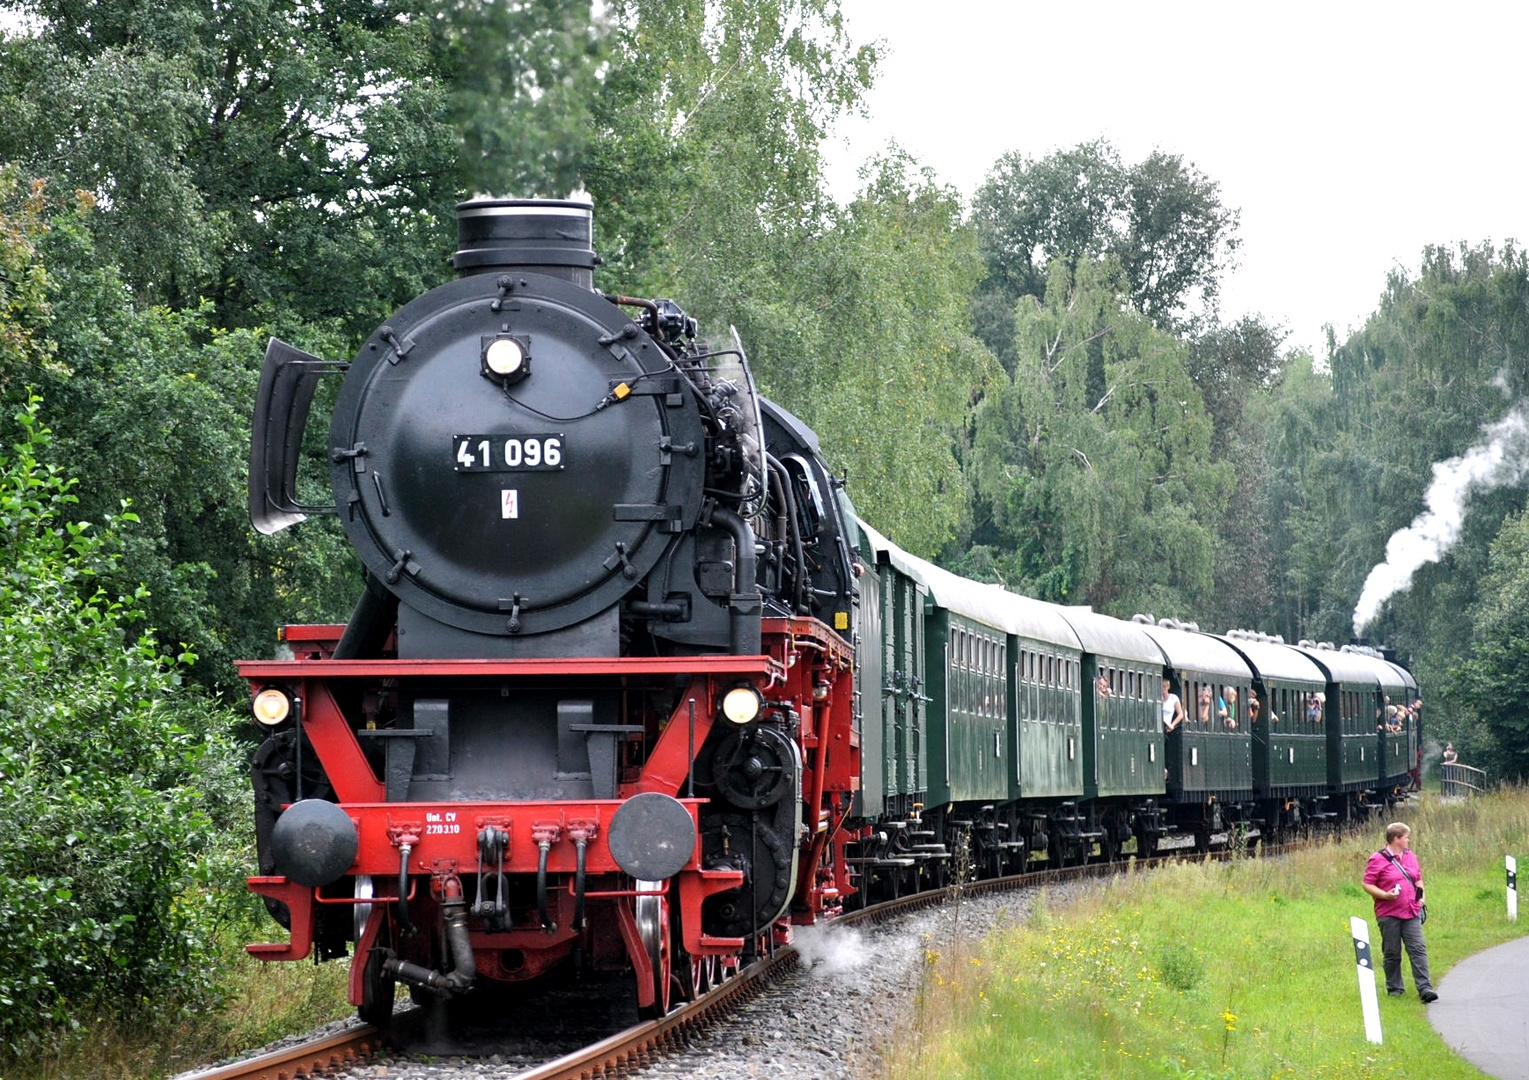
(544, 236)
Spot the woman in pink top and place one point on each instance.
(1395, 880)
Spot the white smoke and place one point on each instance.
(830, 950)
(1499, 459)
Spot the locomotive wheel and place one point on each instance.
(686, 980)
(653, 926)
(705, 974)
(378, 988)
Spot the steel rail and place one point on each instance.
(321, 1057)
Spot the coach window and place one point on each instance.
(955, 670)
(979, 677)
(987, 677)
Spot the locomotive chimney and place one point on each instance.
(543, 236)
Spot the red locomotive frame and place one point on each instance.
(805, 666)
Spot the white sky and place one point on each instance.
(1349, 134)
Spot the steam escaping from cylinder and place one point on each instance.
(1499, 459)
(826, 949)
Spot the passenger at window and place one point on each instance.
(1205, 705)
(1226, 707)
(1173, 708)
(1102, 686)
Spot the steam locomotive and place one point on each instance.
(630, 687)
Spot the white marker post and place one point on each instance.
(1368, 1000)
(1512, 889)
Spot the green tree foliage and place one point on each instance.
(24, 310)
(704, 167)
(891, 400)
(153, 406)
(1161, 219)
(1093, 463)
(292, 158)
(116, 800)
(707, 186)
(1492, 685)
(1236, 366)
(1292, 426)
(106, 825)
(1352, 453)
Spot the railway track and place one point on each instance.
(318, 1057)
(643, 1044)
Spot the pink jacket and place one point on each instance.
(1382, 871)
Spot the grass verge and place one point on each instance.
(1227, 970)
(265, 1003)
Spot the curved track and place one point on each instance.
(643, 1044)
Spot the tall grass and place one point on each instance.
(264, 1002)
(1240, 969)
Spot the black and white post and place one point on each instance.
(1368, 1000)
(1512, 889)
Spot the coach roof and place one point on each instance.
(1347, 667)
(1112, 638)
(1273, 661)
(1190, 651)
(988, 604)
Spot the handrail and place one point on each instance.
(1461, 781)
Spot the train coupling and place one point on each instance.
(493, 888)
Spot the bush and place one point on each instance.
(106, 827)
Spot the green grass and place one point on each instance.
(1236, 970)
(265, 1002)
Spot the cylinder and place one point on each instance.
(543, 236)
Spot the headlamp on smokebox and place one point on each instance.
(505, 358)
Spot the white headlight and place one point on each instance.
(741, 704)
(272, 707)
(504, 356)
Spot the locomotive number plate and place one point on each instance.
(507, 453)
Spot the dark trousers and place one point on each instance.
(1394, 933)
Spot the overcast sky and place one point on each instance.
(1349, 135)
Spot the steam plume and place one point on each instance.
(1499, 459)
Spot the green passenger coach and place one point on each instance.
(893, 689)
(1289, 736)
(997, 731)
